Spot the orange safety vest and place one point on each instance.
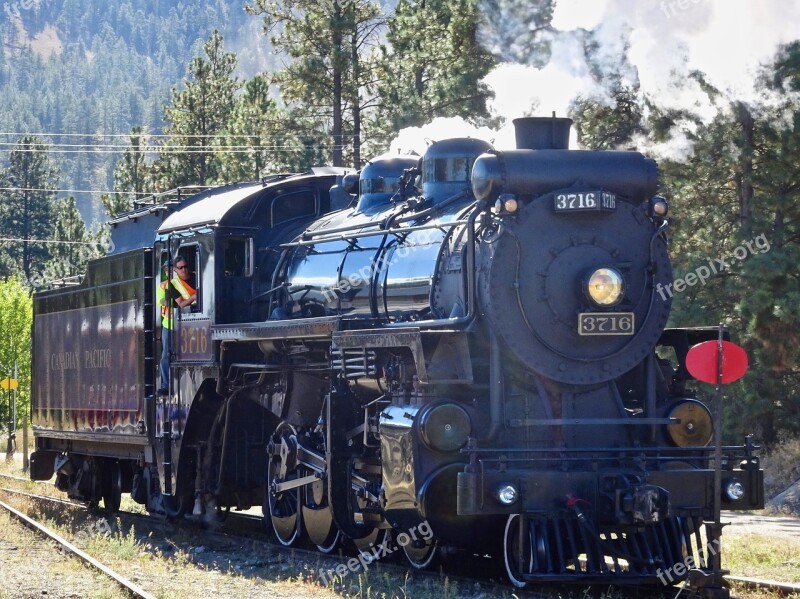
(181, 287)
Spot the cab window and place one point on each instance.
(238, 256)
(293, 204)
(191, 253)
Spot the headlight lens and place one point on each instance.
(507, 494)
(605, 287)
(734, 490)
(659, 206)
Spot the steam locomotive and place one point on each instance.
(471, 341)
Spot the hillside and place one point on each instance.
(82, 67)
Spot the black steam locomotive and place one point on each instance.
(472, 342)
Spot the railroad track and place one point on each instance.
(123, 582)
(779, 588)
(42, 497)
(250, 524)
(249, 528)
(18, 478)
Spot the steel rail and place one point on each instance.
(83, 556)
(19, 478)
(781, 588)
(57, 500)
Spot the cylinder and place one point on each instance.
(533, 173)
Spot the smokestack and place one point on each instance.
(542, 133)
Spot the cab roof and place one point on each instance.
(208, 208)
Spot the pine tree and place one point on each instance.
(768, 189)
(330, 72)
(253, 125)
(131, 177)
(197, 114)
(26, 211)
(601, 126)
(433, 64)
(72, 244)
(16, 317)
(737, 201)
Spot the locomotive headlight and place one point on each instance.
(510, 204)
(734, 489)
(507, 494)
(506, 203)
(659, 206)
(605, 287)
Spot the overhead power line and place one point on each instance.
(149, 148)
(53, 241)
(113, 135)
(166, 150)
(69, 190)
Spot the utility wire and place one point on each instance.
(144, 193)
(144, 148)
(164, 151)
(127, 135)
(53, 241)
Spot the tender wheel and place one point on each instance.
(112, 486)
(318, 518)
(283, 507)
(420, 554)
(515, 552)
(222, 513)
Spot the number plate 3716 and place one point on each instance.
(605, 323)
(582, 201)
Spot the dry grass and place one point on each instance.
(761, 556)
(31, 568)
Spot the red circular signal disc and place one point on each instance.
(702, 360)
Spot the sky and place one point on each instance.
(664, 40)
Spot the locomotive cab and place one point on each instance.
(98, 421)
(227, 237)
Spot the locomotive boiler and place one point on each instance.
(473, 346)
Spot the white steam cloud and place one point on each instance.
(655, 44)
(414, 140)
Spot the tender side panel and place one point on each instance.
(92, 346)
